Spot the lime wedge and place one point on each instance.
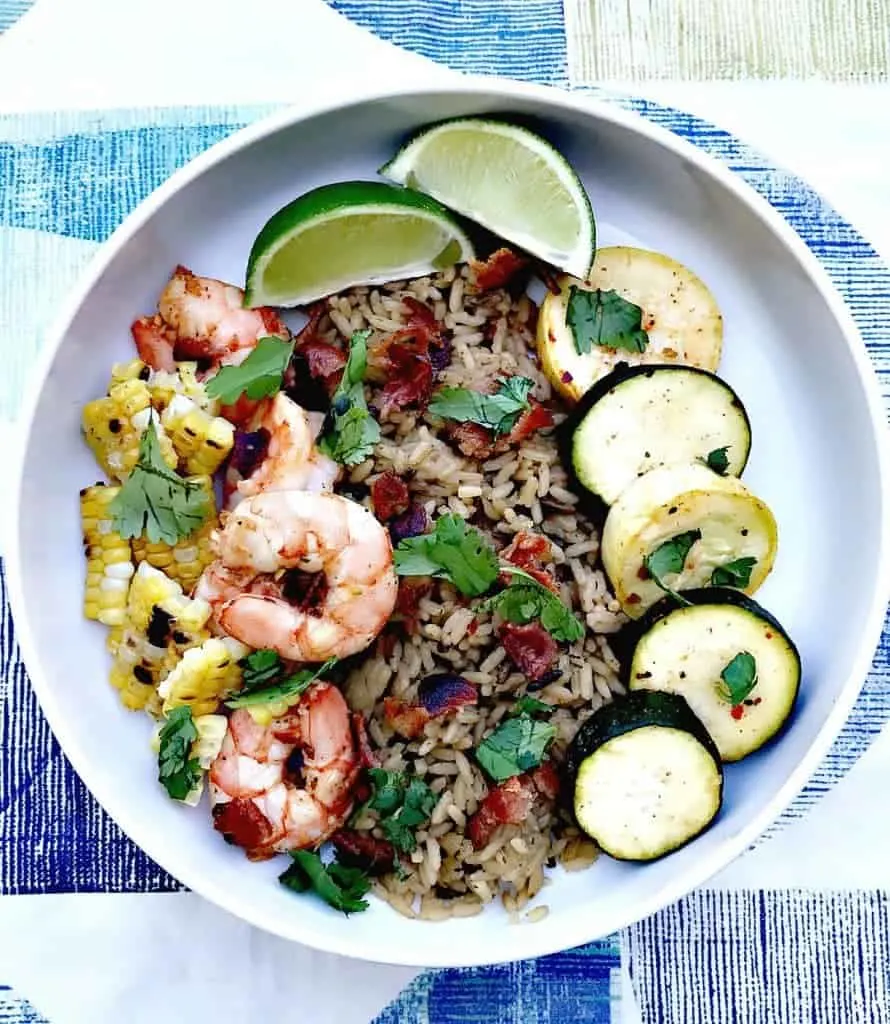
(508, 179)
(350, 233)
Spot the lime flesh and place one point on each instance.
(347, 234)
(508, 179)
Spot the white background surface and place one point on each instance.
(204, 965)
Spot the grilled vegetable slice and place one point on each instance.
(678, 526)
(679, 315)
(686, 650)
(646, 776)
(639, 418)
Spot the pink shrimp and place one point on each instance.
(287, 457)
(268, 801)
(204, 319)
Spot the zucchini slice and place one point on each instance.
(647, 777)
(685, 650)
(638, 418)
(680, 315)
(736, 531)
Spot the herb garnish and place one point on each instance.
(403, 803)
(155, 500)
(338, 885)
(259, 376)
(717, 460)
(526, 599)
(454, 551)
(734, 574)
(499, 412)
(739, 678)
(670, 557)
(350, 431)
(178, 771)
(528, 705)
(604, 319)
(514, 747)
(263, 682)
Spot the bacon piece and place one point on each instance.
(389, 495)
(367, 756)
(409, 371)
(324, 361)
(362, 850)
(409, 596)
(439, 695)
(527, 551)
(530, 647)
(420, 315)
(242, 410)
(477, 442)
(511, 802)
(245, 825)
(497, 270)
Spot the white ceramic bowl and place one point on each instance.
(790, 350)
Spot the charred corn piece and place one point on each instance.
(189, 557)
(113, 426)
(205, 676)
(135, 369)
(201, 441)
(109, 558)
(161, 623)
(165, 386)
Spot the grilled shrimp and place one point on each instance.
(257, 599)
(286, 457)
(288, 785)
(204, 319)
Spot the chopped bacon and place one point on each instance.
(409, 596)
(511, 802)
(389, 494)
(362, 850)
(367, 756)
(386, 644)
(477, 442)
(420, 315)
(438, 694)
(324, 361)
(409, 371)
(527, 551)
(497, 270)
(245, 825)
(406, 719)
(530, 647)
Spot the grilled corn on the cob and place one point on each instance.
(201, 441)
(113, 426)
(205, 676)
(185, 560)
(165, 386)
(109, 558)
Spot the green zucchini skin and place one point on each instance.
(625, 641)
(623, 372)
(644, 713)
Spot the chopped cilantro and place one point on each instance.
(350, 431)
(340, 886)
(526, 599)
(454, 551)
(259, 376)
(499, 412)
(178, 771)
(604, 319)
(739, 678)
(274, 688)
(403, 803)
(733, 574)
(717, 460)
(517, 745)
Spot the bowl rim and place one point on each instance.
(517, 943)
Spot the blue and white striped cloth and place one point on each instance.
(740, 956)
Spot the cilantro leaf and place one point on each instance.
(403, 803)
(155, 500)
(259, 668)
(499, 412)
(670, 557)
(454, 551)
(339, 886)
(350, 431)
(528, 705)
(275, 690)
(529, 599)
(517, 745)
(717, 460)
(604, 319)
(734, 574)
(259, 376)
(739, 678)
(178, 772)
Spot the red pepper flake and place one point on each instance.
(566, 377)
(738, 711)
(473, 627)
(769, 636)
(633, 599)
